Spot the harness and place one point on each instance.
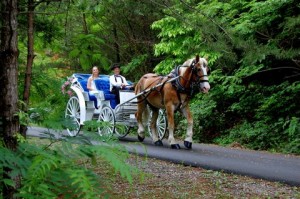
(176, 83)
(158, 82)
(190, 91)
(193, 86)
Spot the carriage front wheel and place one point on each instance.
(107, 119)
(72, 115)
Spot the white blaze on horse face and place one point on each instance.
(204, 85)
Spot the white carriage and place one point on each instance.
(102, 106)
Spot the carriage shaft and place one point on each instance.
(150, 89)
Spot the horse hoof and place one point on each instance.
(140, 138)
(188, 144)
(175, 146)
(158, 143)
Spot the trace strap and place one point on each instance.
(150, 89)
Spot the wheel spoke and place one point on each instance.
(106, 115)
(161, 125)
(73, 113)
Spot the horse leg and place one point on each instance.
(171, 125)
(153, 128)
(189, 134)
(139, 117)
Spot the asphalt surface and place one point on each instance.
(262, 165)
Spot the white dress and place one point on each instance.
(93, 85)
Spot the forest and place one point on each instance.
(252, 47)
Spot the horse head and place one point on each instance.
(200, 71)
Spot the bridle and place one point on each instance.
(190, 80)
(195, 72)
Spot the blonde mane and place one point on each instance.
(189, 62)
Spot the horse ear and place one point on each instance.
(197, 58)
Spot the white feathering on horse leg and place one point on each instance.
(171, 138)
(141, 130)
(153, 131)
(154, 136)
(189, 133)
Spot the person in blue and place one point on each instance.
(117, 81)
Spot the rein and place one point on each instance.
(146, 92)
(175, 81)
(189, 82)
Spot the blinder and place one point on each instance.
(195, 72)
(195, 80)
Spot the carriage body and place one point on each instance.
(102, 106)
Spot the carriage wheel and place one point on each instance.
(73, 114)
(161, 124)
(121, 130)
(107, 118)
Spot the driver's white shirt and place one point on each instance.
(116, 80)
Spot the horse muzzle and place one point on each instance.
(204, 87)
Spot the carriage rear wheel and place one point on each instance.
(161, 124)
(122, 127)
(107, 119)
(72, 114)
(121, 130)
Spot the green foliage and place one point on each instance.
(60, 168)
(240, 38)
(86, 49)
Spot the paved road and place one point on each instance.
(263, 165)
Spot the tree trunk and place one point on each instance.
(85, 28)
(9, 121)
(117, 49)
(30, 57)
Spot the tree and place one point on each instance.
(9, 120)
(253, 50)
(31, 5)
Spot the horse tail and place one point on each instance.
(137, 88)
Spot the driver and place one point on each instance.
(117, 81)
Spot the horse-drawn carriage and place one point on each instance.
(102, 106)
(171, 93)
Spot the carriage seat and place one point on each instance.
(102, 84)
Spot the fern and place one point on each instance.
(56, 169)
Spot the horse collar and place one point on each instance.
(179, 87)
(177, 84)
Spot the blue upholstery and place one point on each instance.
(102, 84)
(83, 83)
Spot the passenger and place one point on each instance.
(91, 86)
(117, 81)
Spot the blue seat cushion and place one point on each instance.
(83, 84)
(102, 84)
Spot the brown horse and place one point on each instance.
(173, 96)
